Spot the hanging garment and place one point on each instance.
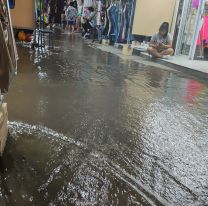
(56, 9)
(121, 26)
(98, 20)
(106, 25)
(59, 10)
(203, 35)
(124, 26)
(195, 4)
(11, 4)
(127, 20)
(75, 5)
(79, 8)
(89, 3)
(113, 21)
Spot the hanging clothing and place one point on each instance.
(195, 4)
(99, 6)
(56, 9)
(106, 24)
(4, 19)
(203, 35)
(11, 4)
(75, 5)
(89, 3)
(79, 8)
(113, 19)
(124, 23)
(121, 25)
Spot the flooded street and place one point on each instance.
(88, 128)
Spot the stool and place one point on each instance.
(42, 37)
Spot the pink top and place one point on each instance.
(195, 3)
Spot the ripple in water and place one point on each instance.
(43, 167)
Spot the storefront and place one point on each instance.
(22, 14)
(192, 36)
(150, 14)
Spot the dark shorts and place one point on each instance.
(71, 23)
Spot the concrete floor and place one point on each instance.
(90, 126)
(181, 61)
(198, 65)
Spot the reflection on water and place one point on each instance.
(122, 133)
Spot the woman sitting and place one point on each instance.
(160, 45)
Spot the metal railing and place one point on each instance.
(8, 50)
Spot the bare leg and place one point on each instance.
(152, 51)
(169, 51)
(78, 24)
(72, 28)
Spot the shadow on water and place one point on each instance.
(122, 133)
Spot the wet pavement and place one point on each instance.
(89, 128)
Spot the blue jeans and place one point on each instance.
(113, 18)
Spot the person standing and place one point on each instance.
(71, 15)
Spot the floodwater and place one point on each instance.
(88, 128)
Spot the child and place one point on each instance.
(71, 15)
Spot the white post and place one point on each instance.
(12, 35)
(198, 24)
(173, 26)
(185, 10)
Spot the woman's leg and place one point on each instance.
(152, 51)
(72, 27)
(169, 51)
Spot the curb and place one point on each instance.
(192, 72)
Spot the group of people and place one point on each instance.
(76, 18)
(160, 45)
